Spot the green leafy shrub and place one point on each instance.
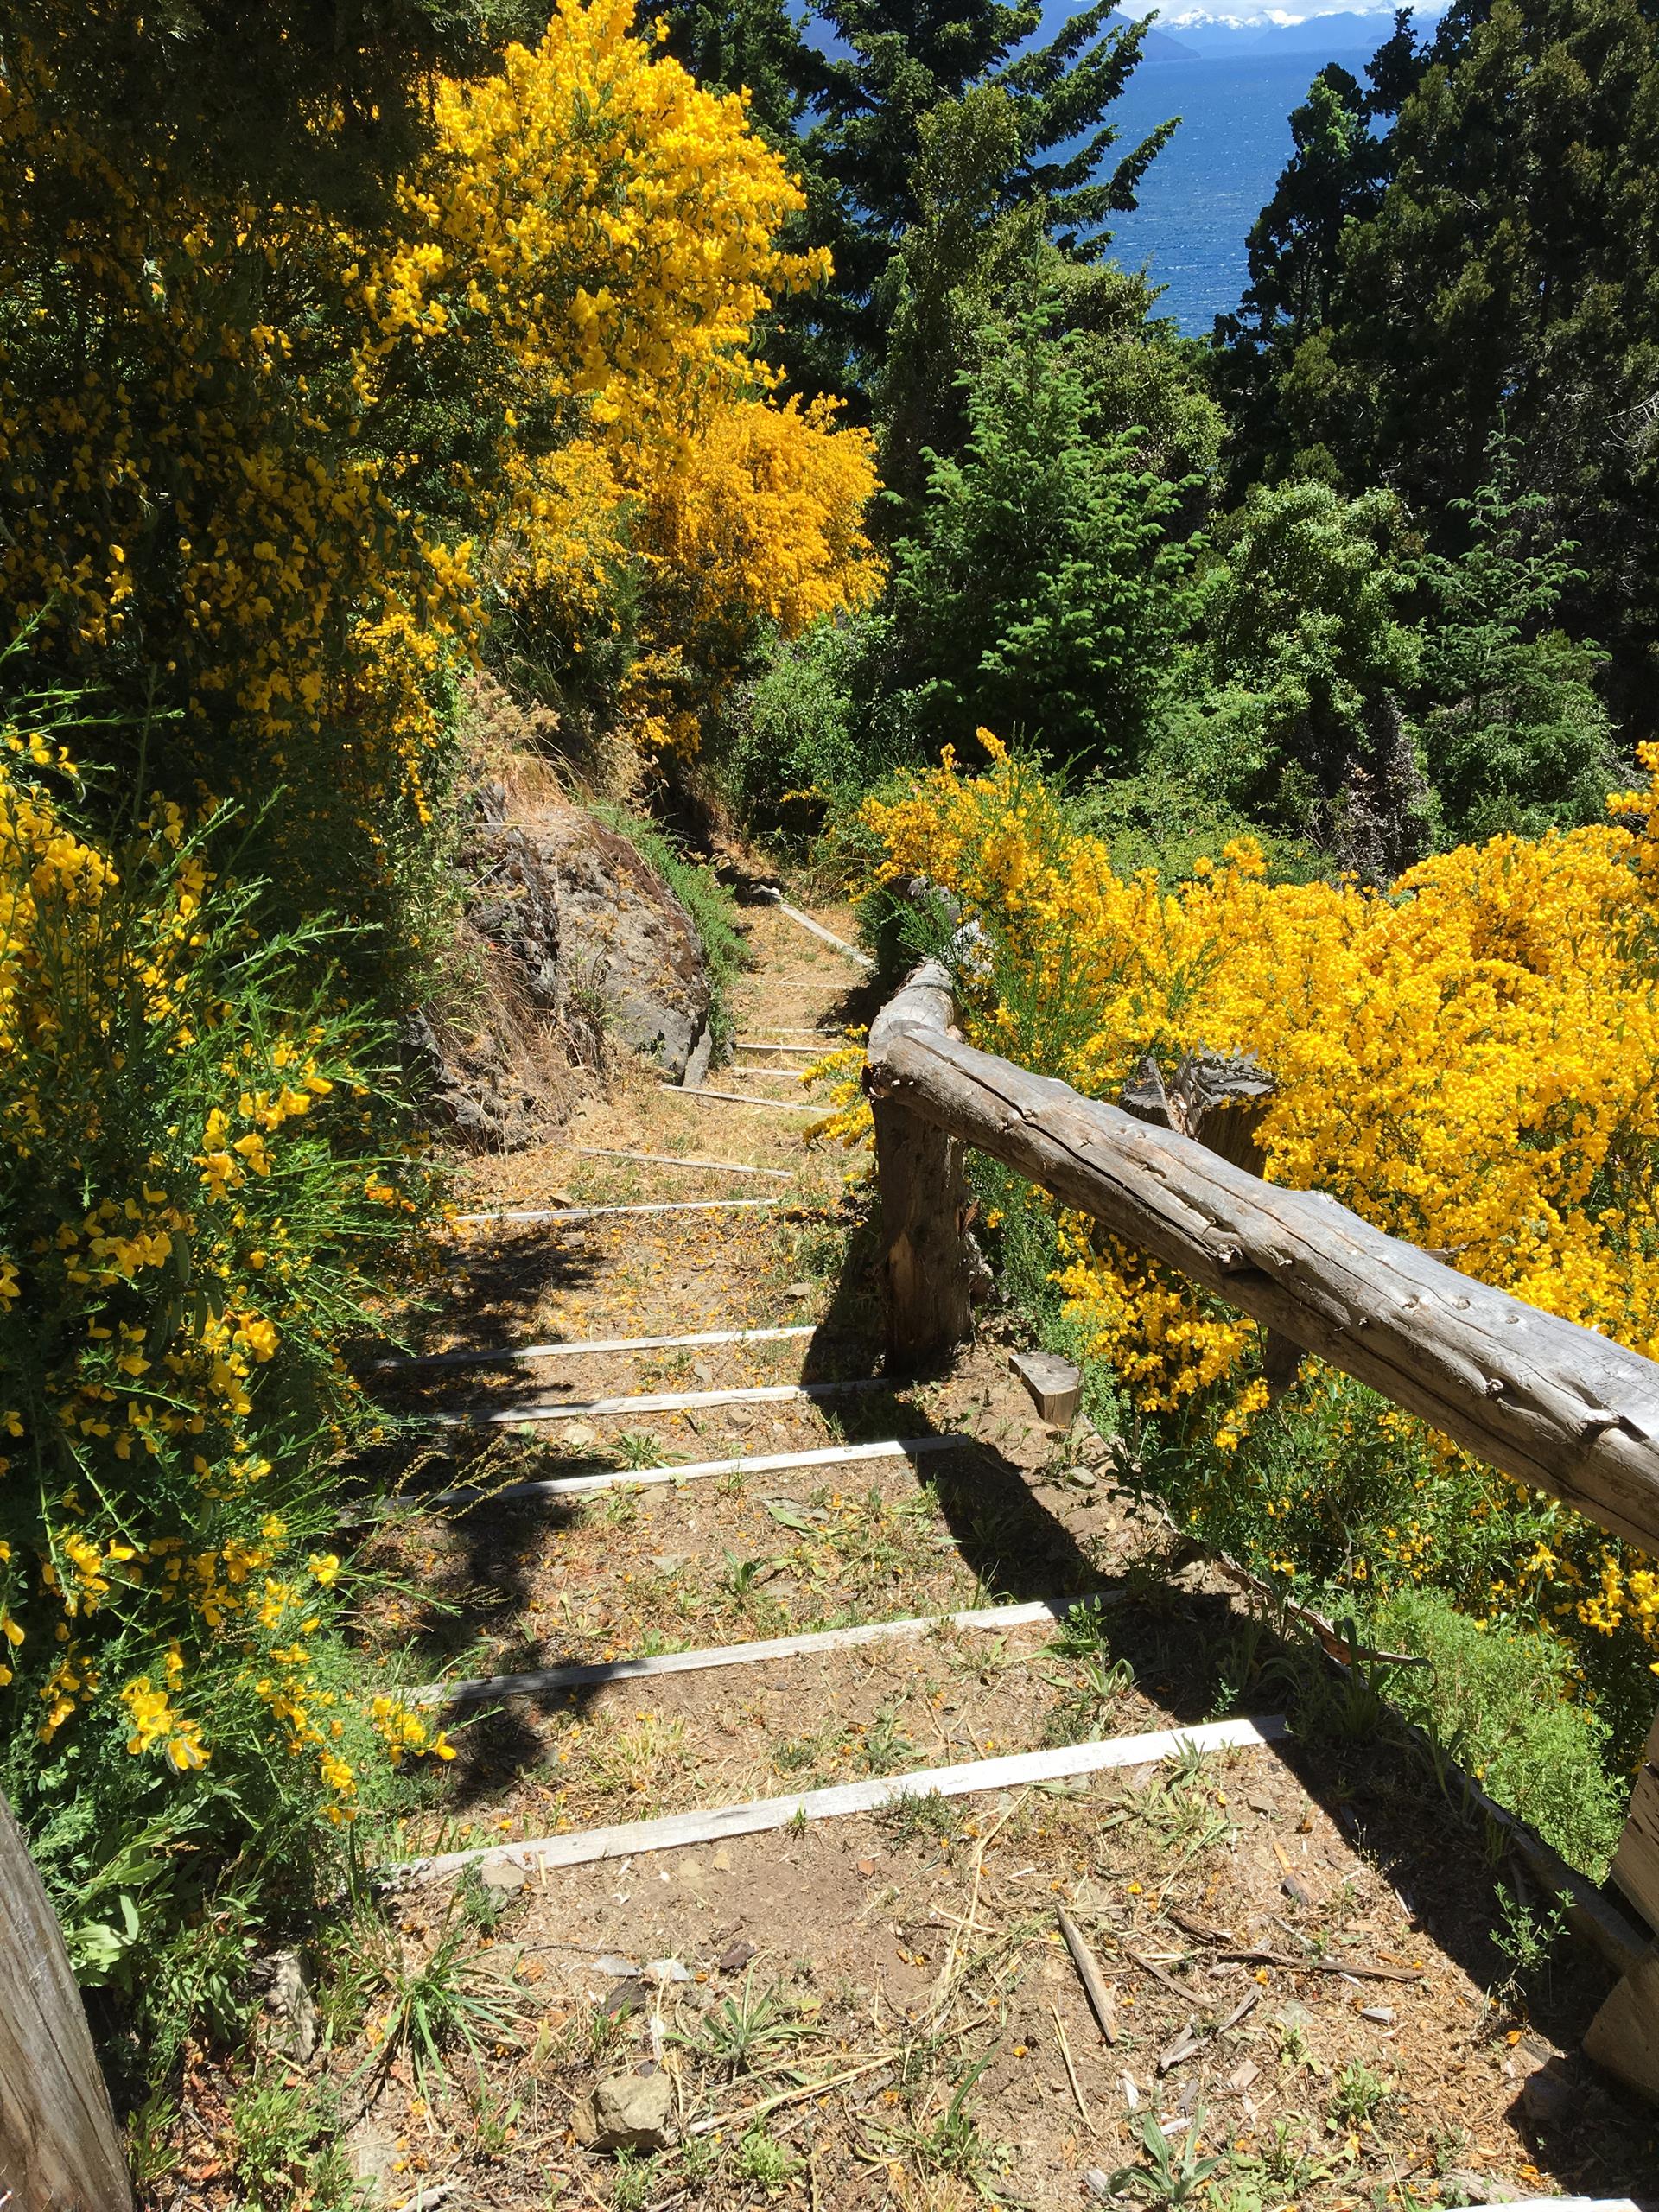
(1504, 1701)
(202, 1181)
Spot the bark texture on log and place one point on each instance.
(59, 2147)
(1559, 1407)
(930, 1266)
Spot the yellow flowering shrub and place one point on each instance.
(271, 469)
(1470, 1060)
(614, 226)
(195, 1193)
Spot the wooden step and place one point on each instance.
(752, 1463)
(593, 1347)
(647, 1402)
(594, 1675)
(633, 1839)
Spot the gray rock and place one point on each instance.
(503, 1876)
(622, 936)
(1097, 2182)
(293, 2010)
(1380, 2015)
(696, 1068)
(628, 2112)
(1480, 2188)
(1548, 2098)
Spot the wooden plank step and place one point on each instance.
(682, 1160)
(659, 1402)
(595, 1672)
(591, 1347)
(596, 1213)
(753, 1462)
(633, 1839)
(827, 936)
(737, 1098)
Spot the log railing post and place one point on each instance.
(60, 2146)
(930, 1266)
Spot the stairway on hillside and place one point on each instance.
(793, 1702)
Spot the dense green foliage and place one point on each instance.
(889, 67)
(1508, 276)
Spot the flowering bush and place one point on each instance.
(271, 466)
(198, 1178)
(611, 228)
(1470, 1061)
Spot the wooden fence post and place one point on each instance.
(930, 1266)
(59, 2147)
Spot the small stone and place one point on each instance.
(866, 1866)
(735, 1956)
(629, 2112)
(579, 1433)
(799, 1290)
(1294, 1887)
(1079, 1479)
(1381, 2015)
(1292, 2014)
(1242, 2076)
(1097, 2184)
(667, 1562)
(702, 1370)
(1548, 2098)
(502, 1876)
(721, 1859)
(1265, 1806)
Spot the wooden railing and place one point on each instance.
(1559, 1407)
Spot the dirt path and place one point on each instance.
(877, 2008)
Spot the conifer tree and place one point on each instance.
(1510, 272)
(895, 62)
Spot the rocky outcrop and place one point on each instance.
(587, 918)
(581, 946)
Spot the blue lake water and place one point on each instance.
(1206, 189)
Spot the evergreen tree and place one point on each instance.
(1286, 701)
(1332, 179)
(746, 45)
(895, 63)
(1040, 593)
(1510, 272)
(1515, 737)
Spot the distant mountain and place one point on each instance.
(1157, 46)
(1341, 36)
